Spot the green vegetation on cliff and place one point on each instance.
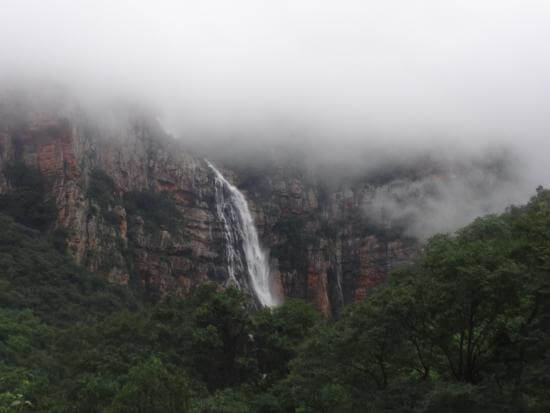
(35, 276)
(27, 201)
(158, 210)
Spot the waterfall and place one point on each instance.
(232, 209)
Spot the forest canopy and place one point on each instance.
(465, 327)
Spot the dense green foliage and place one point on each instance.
(465, 328)
(102, 189)
(35, 276)
(158, 210)
(27, 202)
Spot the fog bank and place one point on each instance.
(353, 83)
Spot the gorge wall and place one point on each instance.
(138, 209)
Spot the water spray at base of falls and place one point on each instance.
(232, 209)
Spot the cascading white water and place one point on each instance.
(233, 211)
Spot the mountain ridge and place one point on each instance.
(138, 208)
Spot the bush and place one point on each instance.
(159, 210)
(27, 201)
(151, 388)
(102, 189)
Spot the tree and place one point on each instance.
(151, 388)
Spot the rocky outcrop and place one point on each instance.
(96, 172)
(323, 246)
(139, 210)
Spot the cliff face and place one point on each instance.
(135, 208)
(139, 210)
(323, 247)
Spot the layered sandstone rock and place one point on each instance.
(323, 246)
(320, 247)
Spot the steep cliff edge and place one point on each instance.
(136, 208)
(323, 247)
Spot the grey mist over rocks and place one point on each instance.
(349, 85)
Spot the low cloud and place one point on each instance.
(350, 85)
(448, 196)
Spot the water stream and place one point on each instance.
(241, 237)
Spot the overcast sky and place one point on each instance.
(474, 71)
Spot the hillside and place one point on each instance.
(465, 327)
(138, 208)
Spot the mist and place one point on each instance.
(356, 83)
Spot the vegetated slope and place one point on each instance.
(35, 276)
(36, 273)
(464, 328)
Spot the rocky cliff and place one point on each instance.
(139, 210)
(323, 247)
(135, 208)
